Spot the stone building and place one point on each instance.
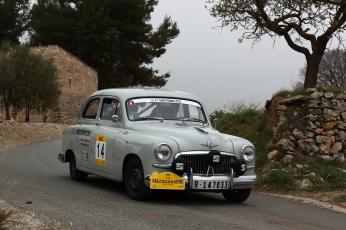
(76, 81)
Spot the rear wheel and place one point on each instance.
(237, 196)
(76, 174)
(134, 181)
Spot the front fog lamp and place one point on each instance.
(248, 153)
(163, 152)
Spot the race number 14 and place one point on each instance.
(100, 150)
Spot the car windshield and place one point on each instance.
(165, 109)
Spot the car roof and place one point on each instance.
(127, 93)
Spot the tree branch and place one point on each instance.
(273, 26)
(294, 46)
(339, 20)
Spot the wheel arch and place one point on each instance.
(127, 159)
(68, 155)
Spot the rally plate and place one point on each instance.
(167, 180)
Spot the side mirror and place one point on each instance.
(115, 118)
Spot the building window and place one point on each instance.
(69, 83)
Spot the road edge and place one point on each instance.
(310, 201)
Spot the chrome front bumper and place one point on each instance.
(241, 182)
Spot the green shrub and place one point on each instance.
(249, 122)
(335, 178)
(340, 198)
(324, 177)
(298, 90)
(283, 93)
(331, 88)
(280, 179)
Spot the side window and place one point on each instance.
(90, 111)
(110, 107)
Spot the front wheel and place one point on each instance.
(134, 181)
(237, 196)
(76, 174)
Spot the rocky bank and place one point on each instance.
(313, 124)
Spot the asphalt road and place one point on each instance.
(33, 173)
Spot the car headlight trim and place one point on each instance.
(248, 153)
(163, 152)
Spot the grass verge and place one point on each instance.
(323, 177)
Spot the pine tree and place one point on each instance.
(13, 19)
(113, 36)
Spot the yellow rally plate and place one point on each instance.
(167, 180)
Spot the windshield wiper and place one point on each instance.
(192, 119)
(150, 118)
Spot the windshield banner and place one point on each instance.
(164, 100)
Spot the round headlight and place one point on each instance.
(248, 153)
(163, 152)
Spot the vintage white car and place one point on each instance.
(153, 139)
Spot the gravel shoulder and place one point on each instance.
(22, 219)
(13, 134)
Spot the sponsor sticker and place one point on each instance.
(130, 103)
(167, 180)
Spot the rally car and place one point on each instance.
(157, 140)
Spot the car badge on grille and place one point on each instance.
(216, 158)
(209, 144)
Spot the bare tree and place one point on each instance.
(332, 70)
(306, 25)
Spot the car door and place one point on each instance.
(106, 136)
(85, 134)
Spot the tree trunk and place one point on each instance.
(313, 64)
(27, 114)
(7, 110)
(44, 118)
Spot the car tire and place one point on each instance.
(134, 181)
(75, 173)
(237, 196)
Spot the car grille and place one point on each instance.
(200, 165)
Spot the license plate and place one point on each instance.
(167, 180)
(211, 185)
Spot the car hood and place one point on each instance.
(189, 137)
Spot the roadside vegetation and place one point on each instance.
(4, 219)
(340, 198)
(27, 82)
(247, 121)
(250, 122)
(324, 177)
(298, 89)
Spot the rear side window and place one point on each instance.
(90, 111)
(110, 107)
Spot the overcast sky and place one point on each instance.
(210, 63)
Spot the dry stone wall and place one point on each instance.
(311, 125)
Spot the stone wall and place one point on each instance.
(311, 125)
(74, 76)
